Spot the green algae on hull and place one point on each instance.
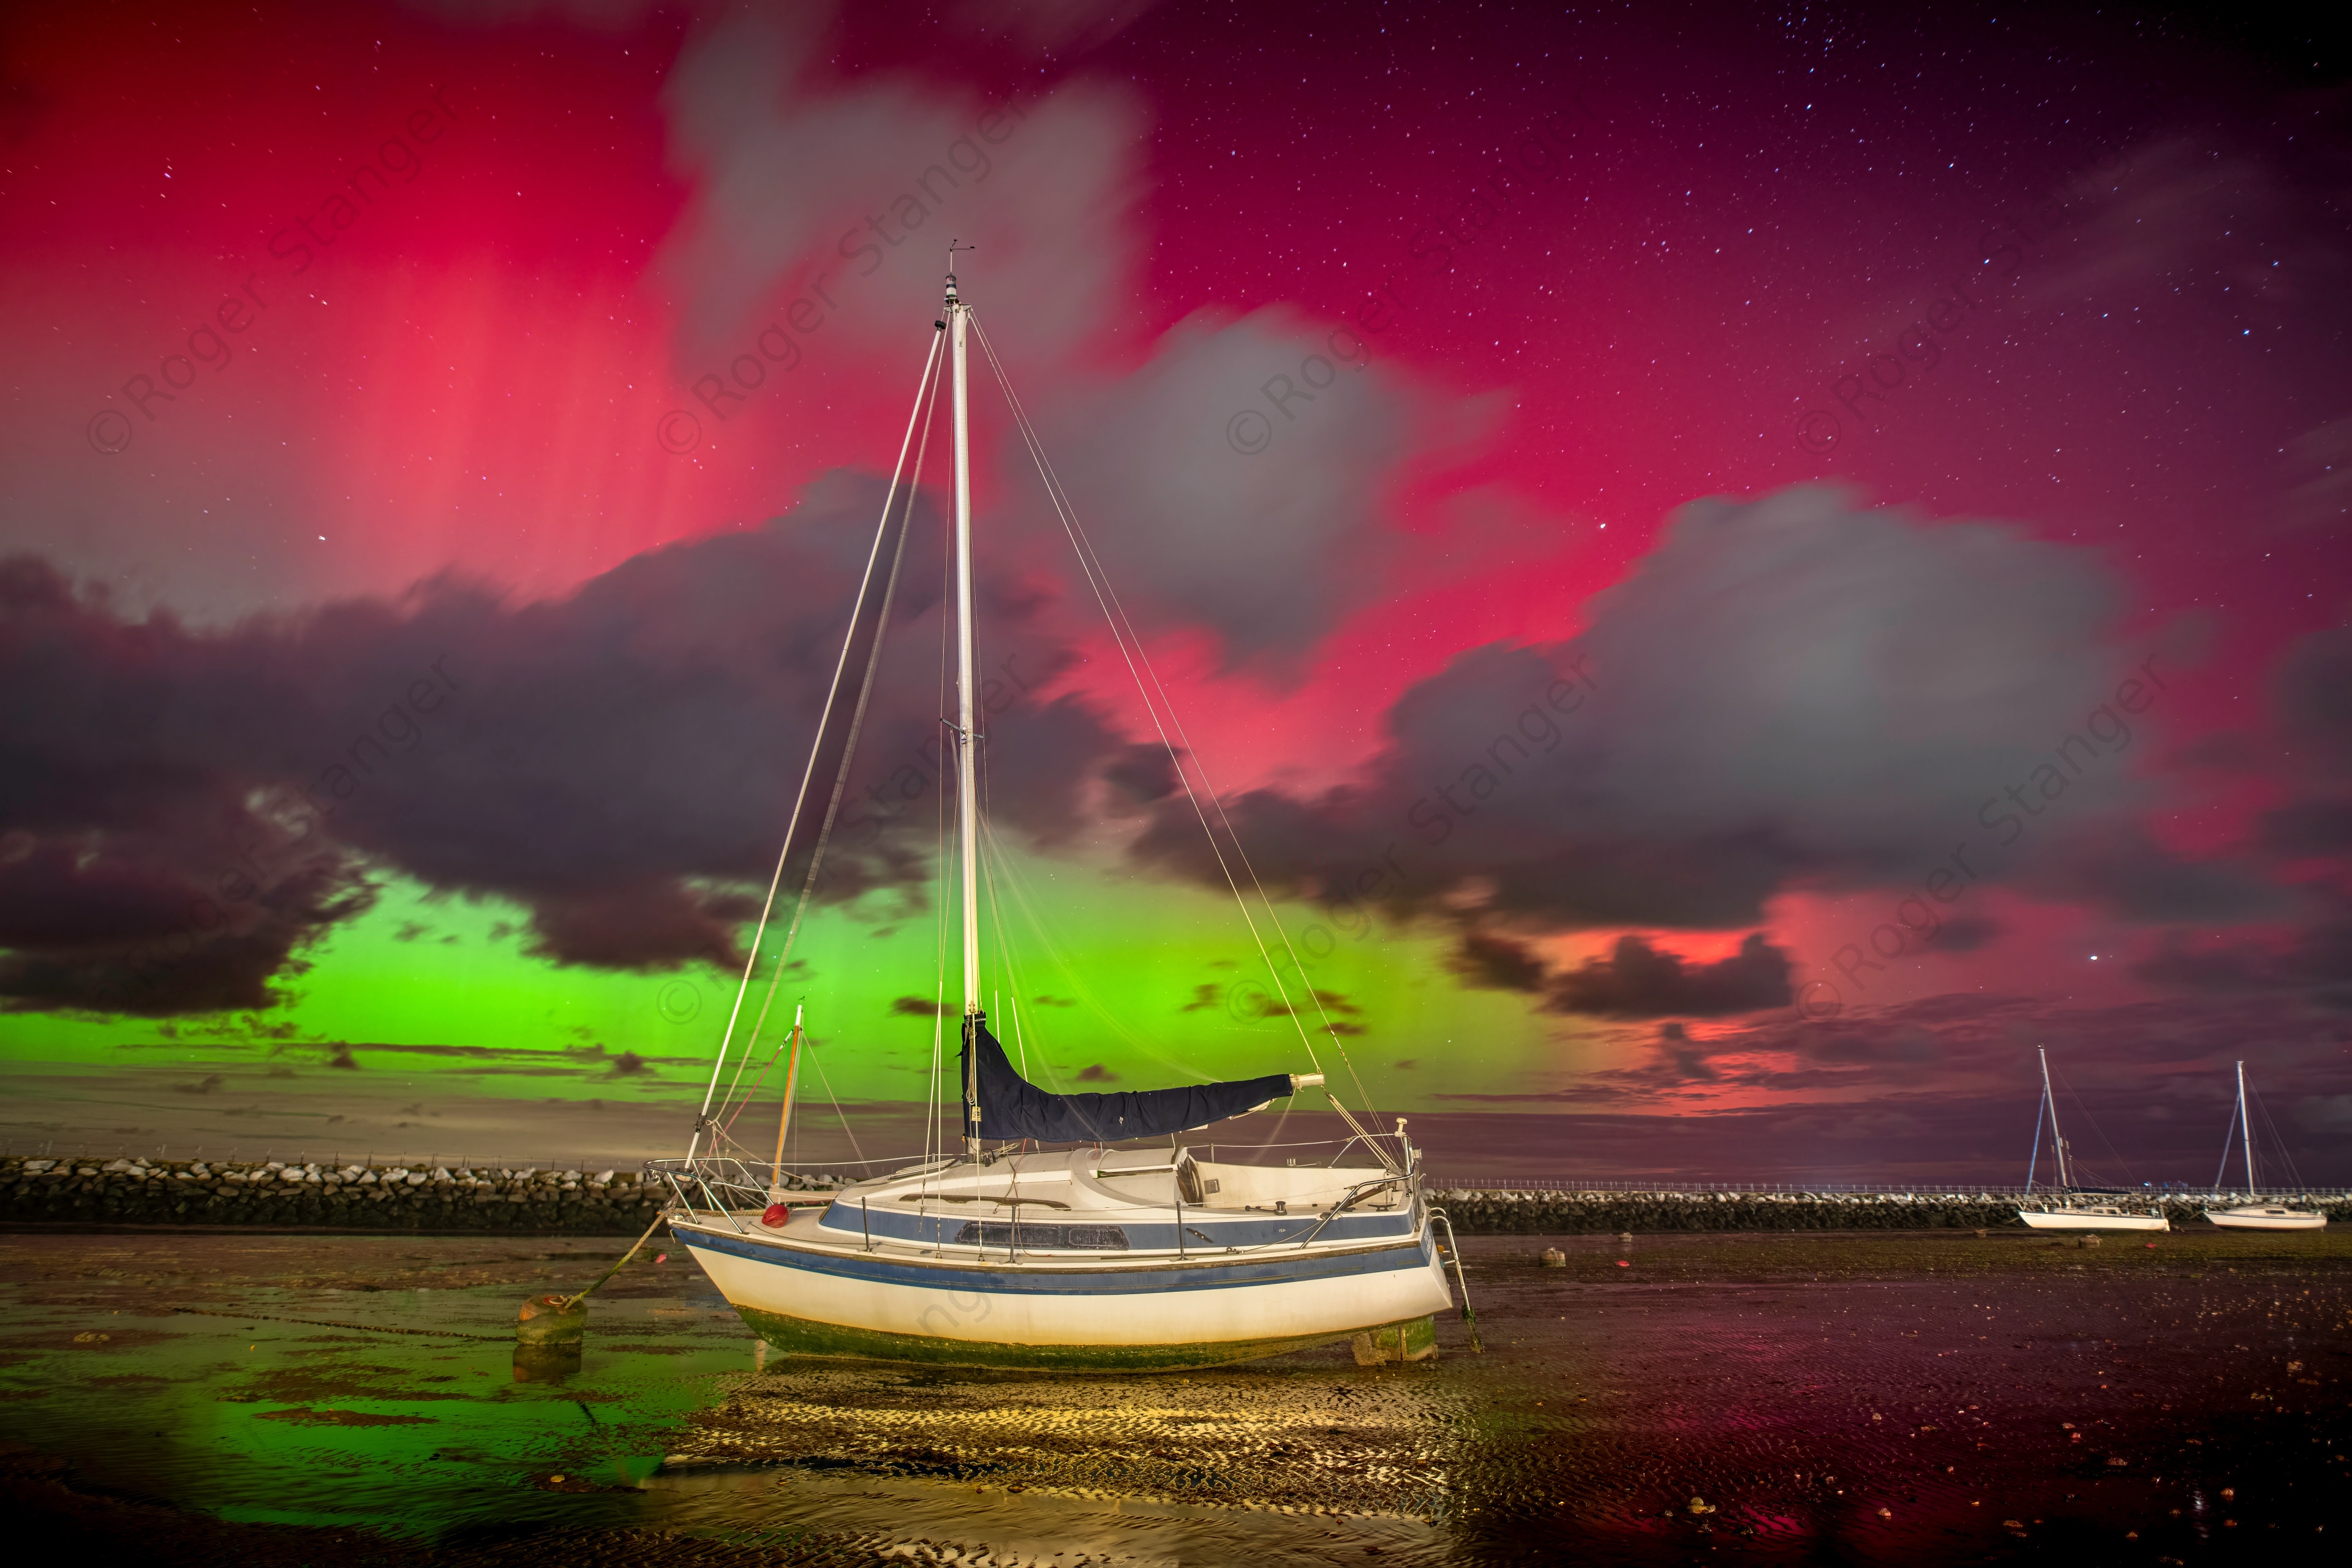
(802, 1337)
(1415, 1339)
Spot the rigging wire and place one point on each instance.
(808, 774)
(2278, 1143)
(999, 953)
(818, 1062)
(1072, 975)
(934, 1135)
(849, 746)
(2108, 1144)
(2040, 1115)
(1123, 637)
(2229, 1138)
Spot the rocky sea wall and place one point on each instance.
(326, 1197)
(544, 1201)
(1493, 1212)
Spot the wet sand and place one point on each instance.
(1855, 1398)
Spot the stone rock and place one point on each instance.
(275, 1194)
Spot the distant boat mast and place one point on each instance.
(2056, 1138)
(2246, 1129)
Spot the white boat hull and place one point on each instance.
(2092, 1219)
(2263, 1217)
(822, 1298)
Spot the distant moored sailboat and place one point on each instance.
(2254, 1214)
(2079, 1209)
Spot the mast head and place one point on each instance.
(954, 246)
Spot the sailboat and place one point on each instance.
(2072, 1207)
(2254, 1214)
(1068, 1231)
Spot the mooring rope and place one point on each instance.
(364, 1328)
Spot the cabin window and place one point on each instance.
(1046, 1238)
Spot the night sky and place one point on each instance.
(1734, 571)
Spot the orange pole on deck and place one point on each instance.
(791, 1076)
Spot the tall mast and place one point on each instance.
(2246, 1130)
(2056, 1138)
(967, 792)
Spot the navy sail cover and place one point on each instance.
(1011, 1107)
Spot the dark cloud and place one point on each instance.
(181, 812)
(2147, 1087)
(1497, 963)
(1639, 981)
(2311, 697)
(659, 923)
(1680, 1059)
(2315, 959)
(2121, 866)
(1966, 933)
(138, 873)
(1140, 776)
(1054, 29)
(2307, 830)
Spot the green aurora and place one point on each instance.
(1127, 982)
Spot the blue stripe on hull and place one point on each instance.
(1151, 1279)
(940, 1225)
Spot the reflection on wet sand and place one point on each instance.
(1361, 1444)
(1934, 1398)
(547, 1364)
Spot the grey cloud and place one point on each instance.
(790, 168)
(1792, 691)
(1268, 551)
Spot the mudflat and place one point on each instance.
(1861, 1397)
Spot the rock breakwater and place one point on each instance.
(1507, 1212)
(327, 1197)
